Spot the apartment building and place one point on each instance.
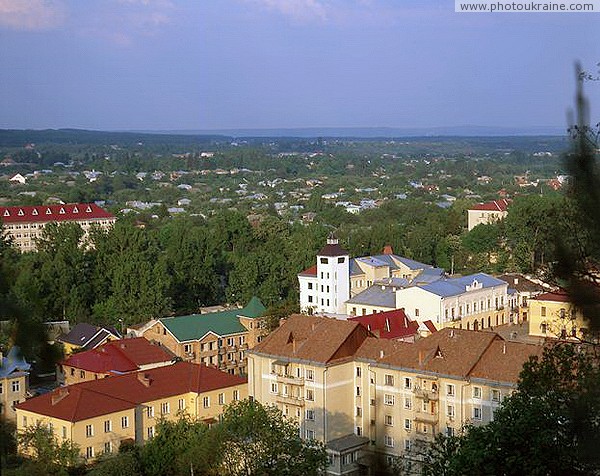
(488, 212)
(24, 225)
(220, 339)
(327, 286)
(99, 415)
(116, 357)
(553, 315)
(14, 380)
(336, 379)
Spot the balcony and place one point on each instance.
(289, 379)
(289, 399)
(426, 395)
(426, 417)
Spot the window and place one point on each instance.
(64, 432)
(407, 382)
(476, 413)
(543, 311)
(407, 424)
(407, 445)
(310, 285)
(206, 402)
(236, 395)
(450, 411)
(16, 386)
(389, 420)
(388, 399)
(274, 388)
(310, 415)
(358, 391)
(89, 452)
(449, 431)
(150, 432)
(476, 392)
(388, 441)
(310, 299)
(495, 395)
(124, 422)
(221, 399)
(310, 395)
(108, 447)
(150, 412)
(81, 374)
(416, 313)
(165, 408)
(1, 388)
(310, 434)
(450, 390)
(358, 433)
(341, 260)
(181, 404)
(324, 260)
(187, 348)
(89, 430)
(310, 374)
(407, 403)
(358, 372)
(24, 421)
(107, 426)
(389, 380)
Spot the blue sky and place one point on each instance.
(219, 64)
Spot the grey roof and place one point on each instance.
(354, 268)
(347, 442)
(454, 286)
(83, 333)
(372, 261)
(429, 275)
(13, 361)
(376, 295)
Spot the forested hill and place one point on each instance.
(17, 138)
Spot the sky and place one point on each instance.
(236, 64)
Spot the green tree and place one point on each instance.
(259, 440)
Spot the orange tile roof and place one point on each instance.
(495, 205)
(393, 324)
(101, 397)
(503, 360)
(314, 338)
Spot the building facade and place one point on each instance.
(553, 315)
(218, 339)
(100, 415)
(489, 212)
(336, 380)
(14, 382)
(24, 225)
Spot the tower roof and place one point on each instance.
(332, 248)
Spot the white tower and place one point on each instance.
(333, 277)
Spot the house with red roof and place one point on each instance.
(390, 325)
(488, 212)
(24, 225)
(552, 314)
(99, 415)
(116, 357)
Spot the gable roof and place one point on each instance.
(47, 213)
(101, 397)
(196, 326)
(495, 205)
(87, 335)
(313, 338)
(14, 361)
(120, 356)
(376, 295)
(455, 286)
(312, 271)
(389, 325)
(556, 296)
(521, 283)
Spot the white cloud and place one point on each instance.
(32, 14)
(297, 9)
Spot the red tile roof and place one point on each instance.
(312, 271)
(101, 397)
(388, 325)
(495, 205)
(48, 213)
(557, 296)
(126, 355)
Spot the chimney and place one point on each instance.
(381, 354)
(452, 332)
(59, 394)
(144, 378)
(516, 280)
(504, 347)
(421, 356)
(387, 250)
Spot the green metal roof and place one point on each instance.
(195, 326)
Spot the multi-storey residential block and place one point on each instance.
(475, 302)
(336, 379)
(100, 415)
(553, 315)
(220, 339)
(26, 224)
(525, 289)
(14, 375)
(326, 287)
(489, 212)
(113, 358)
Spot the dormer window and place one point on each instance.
(88, 209)
(75, 210)
(48, 211)
(21, 212)
(62, 211)
(6, 213)
(34, 212)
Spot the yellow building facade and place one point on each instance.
(553, 315)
